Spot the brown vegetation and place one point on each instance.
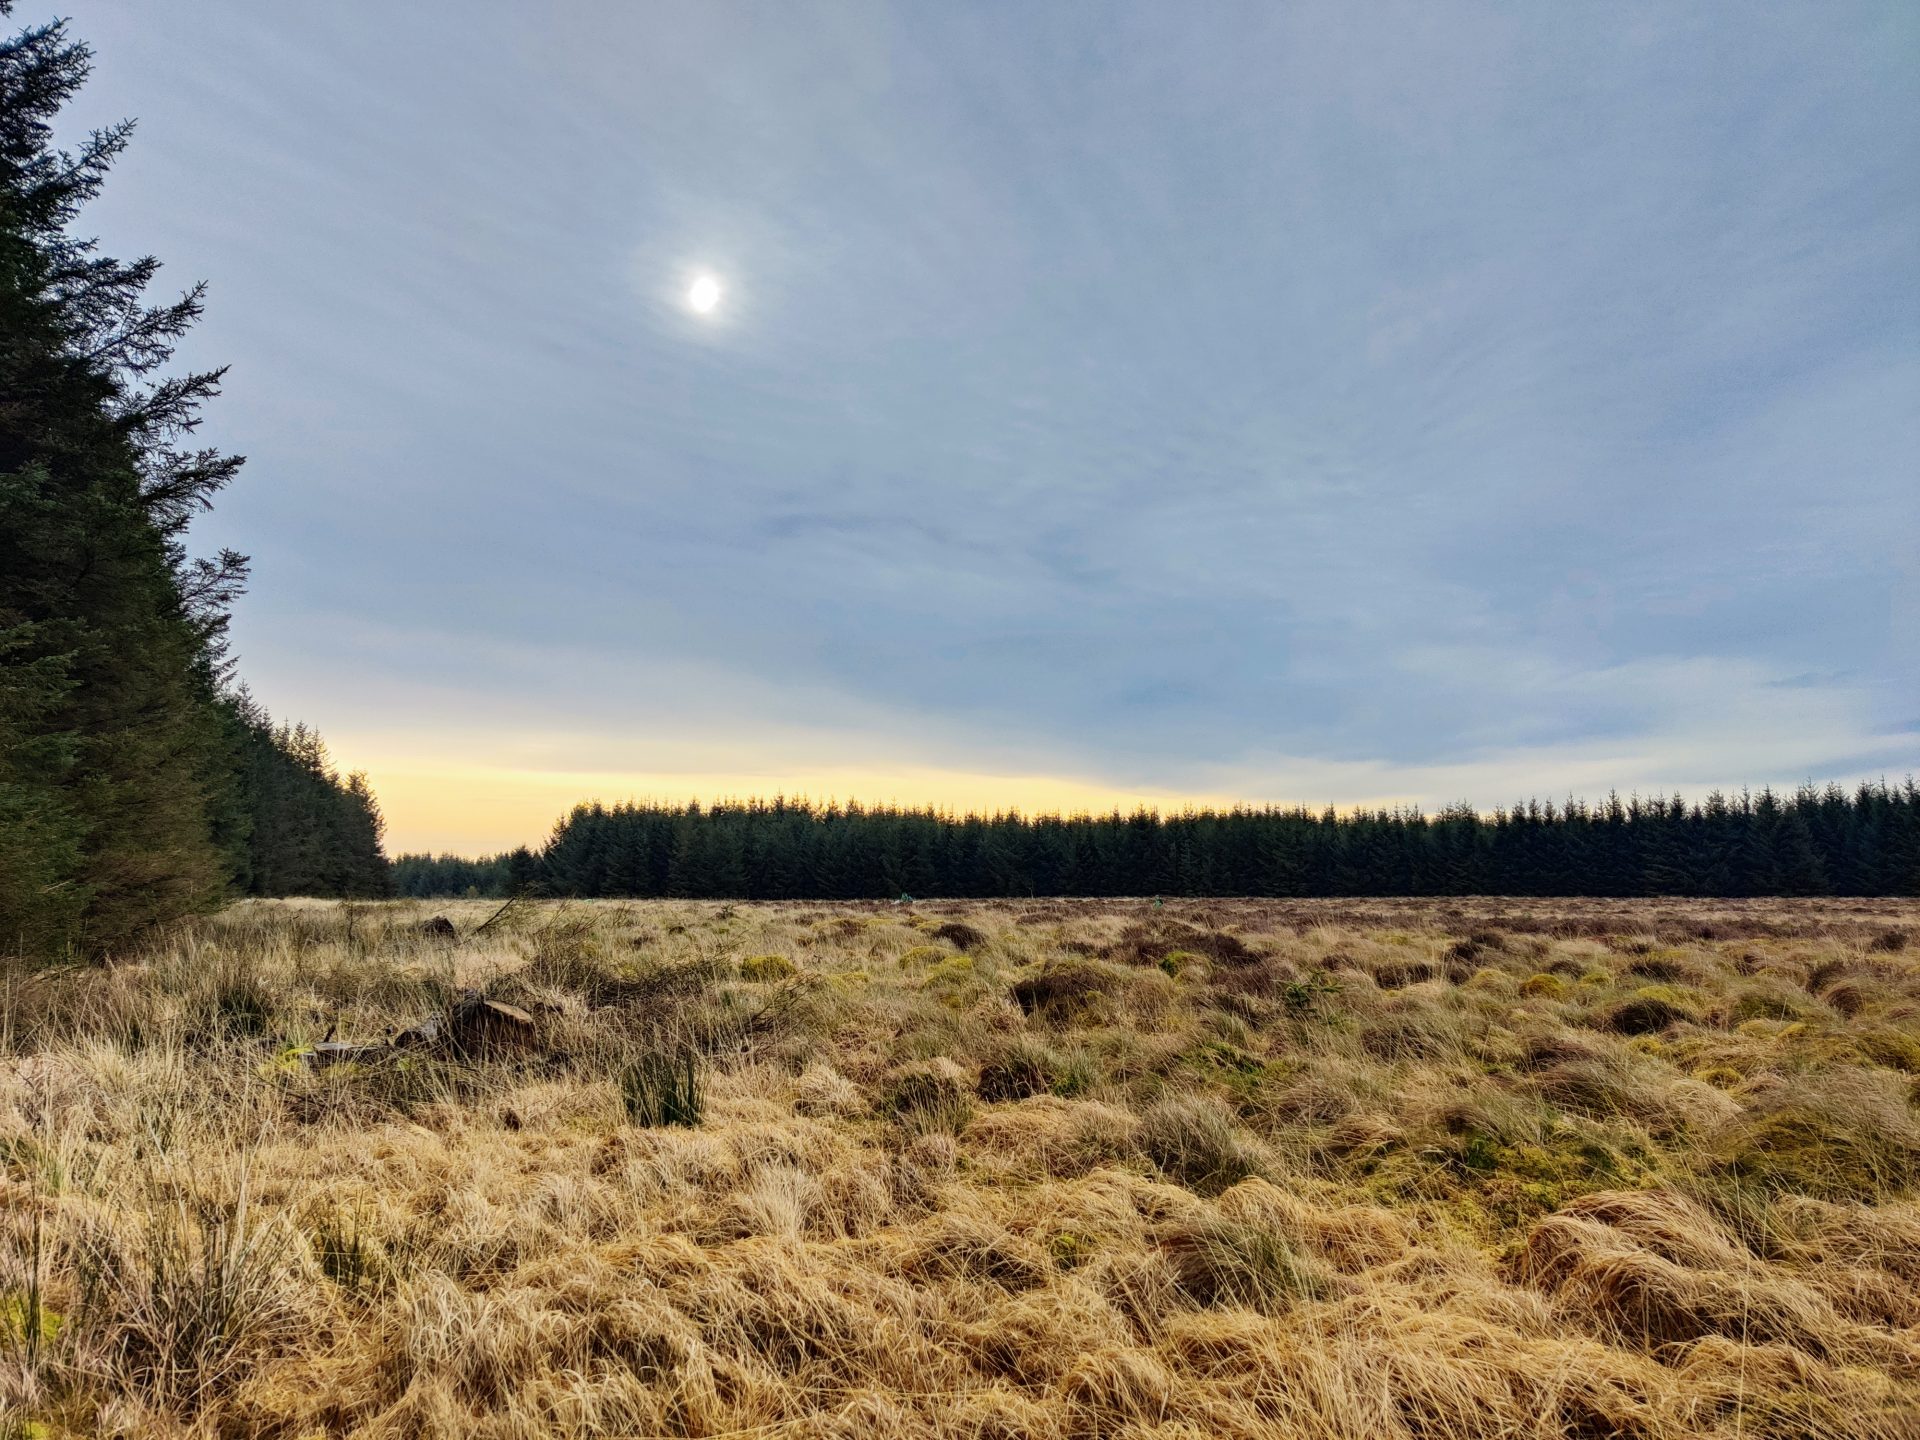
(1368, 1169)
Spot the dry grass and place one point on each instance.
(1045, 1169)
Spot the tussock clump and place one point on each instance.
(1091, 1198)
(1654, 1270)
(1048, 1136)
(1648, 1012)
(1399, 975)
(1221, 1262)
(824, 1091)
(664, 1086)
(930, 1098)
(1558, 1047)
(1315, 1099)
(1066, 992)
(1888, 1045)
(1150, 942)
(970, 1247)
(1015, 1069)
(1422, 1033)
(1888, 942)
(1840, 1139)
(1664, 968)
(1477, 947)
(1632, 1087)
(1198, 1143)
(1767, 1002)
(960, 935)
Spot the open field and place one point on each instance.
(1344, 1168)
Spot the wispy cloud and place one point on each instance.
(1290, 403)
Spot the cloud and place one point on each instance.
(1289, 403)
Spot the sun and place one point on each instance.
(703, 294)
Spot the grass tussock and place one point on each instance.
(1364, 1169)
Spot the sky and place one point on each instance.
(1103, 404)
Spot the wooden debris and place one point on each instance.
(472, 1026)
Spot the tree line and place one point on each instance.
(1813, 842)
(138, 782)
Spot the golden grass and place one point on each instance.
(1039, 1169)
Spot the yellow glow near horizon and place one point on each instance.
(475, 810)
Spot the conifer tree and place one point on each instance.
(111, 636)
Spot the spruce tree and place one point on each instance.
(111, 636)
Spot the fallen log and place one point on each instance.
(471, 1027)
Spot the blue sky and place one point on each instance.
(1333, 403)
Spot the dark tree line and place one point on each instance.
(310, 831)
(135, 785)
(1814, 842)
(431, 876)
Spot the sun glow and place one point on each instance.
(703, 295)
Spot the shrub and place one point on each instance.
(183, 1308)
(665, 1086)
(1302, 997)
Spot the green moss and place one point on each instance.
(765, 969)
(25, 1320)
(1826, 1152)
(1895, 1049)
(1767, 1004)
(1174, 961)
(955, 970)
(1544, 986)
(1070, 1249)
(1239, 1070)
